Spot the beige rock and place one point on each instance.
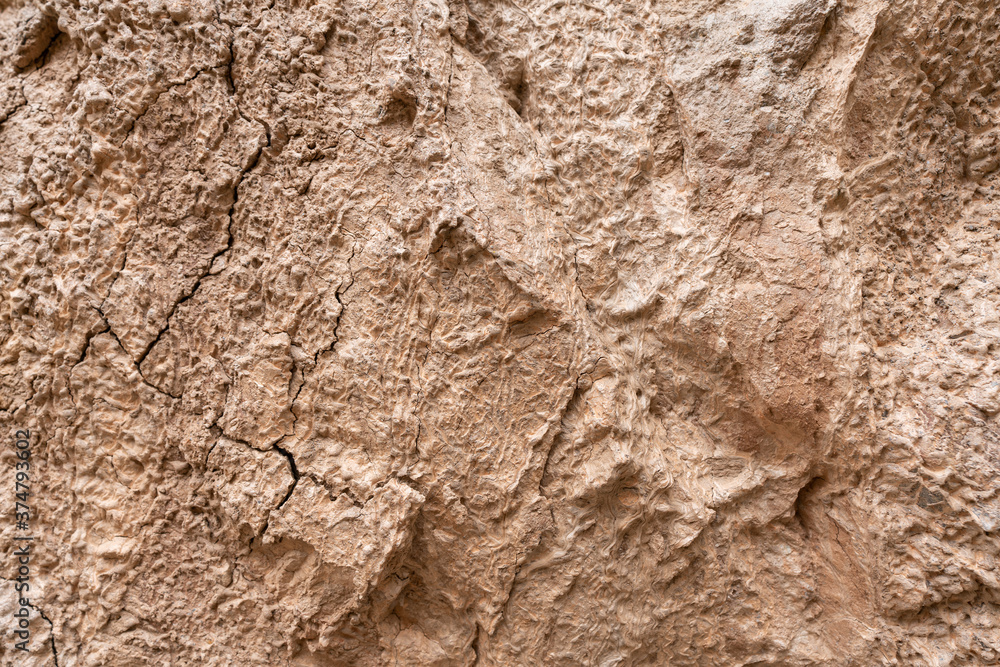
(453, 332)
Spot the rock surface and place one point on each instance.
(454, 332)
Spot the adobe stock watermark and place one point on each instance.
(22, 539)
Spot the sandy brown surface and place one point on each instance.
(474, 332)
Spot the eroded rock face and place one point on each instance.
(454, 332)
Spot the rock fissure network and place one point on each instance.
(502, 332)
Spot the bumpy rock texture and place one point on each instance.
(454, 332)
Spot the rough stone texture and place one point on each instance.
(454, 332)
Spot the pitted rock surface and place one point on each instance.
(462, 332)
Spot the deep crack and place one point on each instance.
(229, 245)
(52, 633)
(291, 489)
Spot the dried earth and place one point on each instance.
(535, 332)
